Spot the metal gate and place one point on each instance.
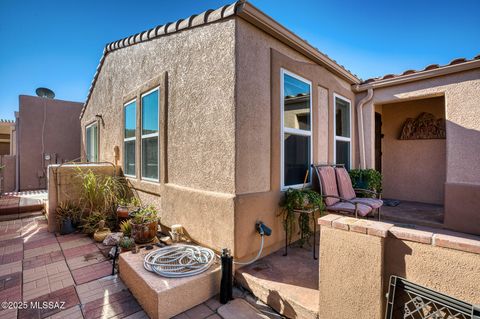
(406, 300)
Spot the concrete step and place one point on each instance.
(288, 284)
(162, 297)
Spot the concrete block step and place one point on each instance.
(162, 297)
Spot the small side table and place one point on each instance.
(309, 212)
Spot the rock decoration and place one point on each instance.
(112, 239)
(425, 126)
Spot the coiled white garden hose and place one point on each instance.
(179, 260)
(185, 260)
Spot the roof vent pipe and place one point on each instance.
(361, 132)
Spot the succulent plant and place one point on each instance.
(127, 243)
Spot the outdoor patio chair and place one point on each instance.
(346, 190)
(329, 192)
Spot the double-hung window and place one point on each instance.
(91, 137)
(130, 115)
(296, 130)
(342, 128)
(150, 120)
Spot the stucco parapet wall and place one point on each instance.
(429, 236)
(241, 9)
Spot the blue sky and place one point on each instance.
(58, 44)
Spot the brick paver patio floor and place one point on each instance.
(37, 266)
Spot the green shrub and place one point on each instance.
(367, 179)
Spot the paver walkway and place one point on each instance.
(36, 266)
(72, 273)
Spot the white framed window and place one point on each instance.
(129, 138)
(342, 127)
(91, 142)
(296, 130)
(150, 120)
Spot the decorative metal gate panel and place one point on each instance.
(406, 300)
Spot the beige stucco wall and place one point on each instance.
(452, 272)
(198, 180)
(350, 275)
(259, 58)
(413, 170)
(61, 137)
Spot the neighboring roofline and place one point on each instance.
(241, 9)
(430, 71)
(264, 22)
(41, 97)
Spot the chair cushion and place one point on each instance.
(345, 188)
(372, 202)
(329, 184)
(363, 210)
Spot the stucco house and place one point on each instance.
(213, 116)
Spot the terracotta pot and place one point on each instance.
(123, 211)
(144, 233)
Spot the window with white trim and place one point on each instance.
(130, 124)
(296, 130)
(91, 142)
(150, 120)
(342, 128)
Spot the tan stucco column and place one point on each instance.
(351, 271)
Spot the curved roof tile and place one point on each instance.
(205, 17)
(427, 68)
(457, 61)
(431, 67)
(411, 71)
(192, 21)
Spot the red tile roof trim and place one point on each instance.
(239, 8)
(427, 68)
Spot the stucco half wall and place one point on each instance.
(461, 91)
(357, 258)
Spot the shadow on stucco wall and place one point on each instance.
(462, 188)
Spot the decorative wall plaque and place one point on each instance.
(425, 126)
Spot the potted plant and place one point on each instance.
(126, 227)
(126, 243)
(369, 179)
(298, 200)
(126, 206)
(68, 217)
(144, 222)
